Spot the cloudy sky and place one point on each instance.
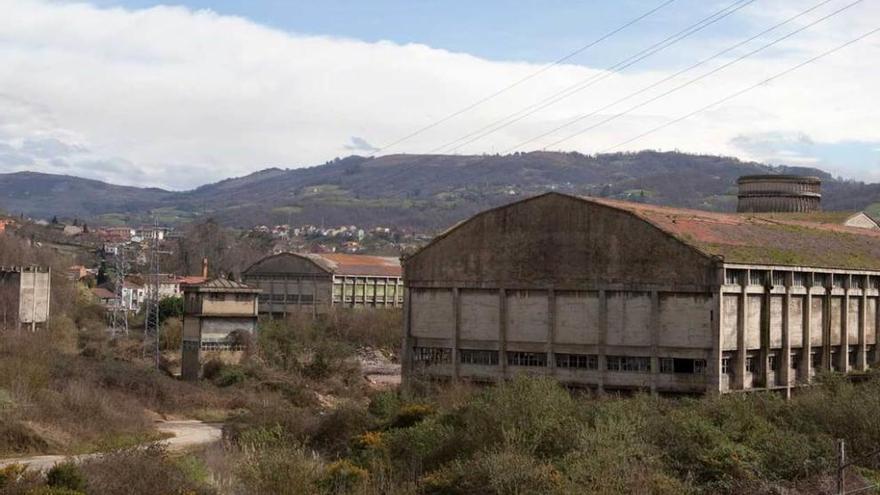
(177, 95)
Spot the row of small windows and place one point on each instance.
(638, 364)
(219, 296)
(800, 279)
(753, 360)
(287, 298)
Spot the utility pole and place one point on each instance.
(119, 315)
(152, 325)
(841, 465)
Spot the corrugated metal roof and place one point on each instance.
(220, 285)
(357, 264)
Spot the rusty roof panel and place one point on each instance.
(358, 264)
(763, 239)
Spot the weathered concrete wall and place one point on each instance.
(527, 316)
(871, 321)
(730, 321)
(34, 296)
(434, 316)
(817, 321)
(480, 313)
(753, 322)
(577, 317)
(191, 328)
(556, 241)
(796, 321)
(230, 305)
(686, 321)
(855, 306)
(629, 318)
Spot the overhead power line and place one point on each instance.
(692, 81)
(745, 90)
(528, 77)
(558, 96)
(667, 78)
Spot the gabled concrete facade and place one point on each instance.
(621, 296)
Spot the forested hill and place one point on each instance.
(418, 191)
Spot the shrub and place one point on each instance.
(338, 428)
(171, 335)
(533, 415)
(343, 477)
(138, 470)
(229, 375)
(499, 473)
(212, 368)
(290, 470)
(66, 475)
(411, 414)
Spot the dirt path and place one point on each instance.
(187, 434)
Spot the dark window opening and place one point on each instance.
(432, 355)
(527, 358)
(628, 363)
(778, 279)
(479, 357)
(683, 366)
(773, 362)
(753, 364)
(577, 361)
(734, 277)
(794, 360)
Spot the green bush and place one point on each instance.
(499, 473)
(289, 470)
(411, 414)
(66, 475)
(343, 477)
(229, 375)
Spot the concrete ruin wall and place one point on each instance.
(558, 276)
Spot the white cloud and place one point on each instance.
(174, 97)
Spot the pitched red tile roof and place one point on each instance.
(761, 239)
(357, 264)
(102, 293)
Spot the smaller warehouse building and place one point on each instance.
(315, 283)
(219, 317)
(25, 293)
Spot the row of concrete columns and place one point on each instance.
(805, 367)
(370, 281)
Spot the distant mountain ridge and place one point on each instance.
(414, 191)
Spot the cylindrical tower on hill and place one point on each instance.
(779, 193)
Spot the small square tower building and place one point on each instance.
(219, 317)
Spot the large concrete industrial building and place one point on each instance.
(25, 294)
(315, 283)
(612, 295)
